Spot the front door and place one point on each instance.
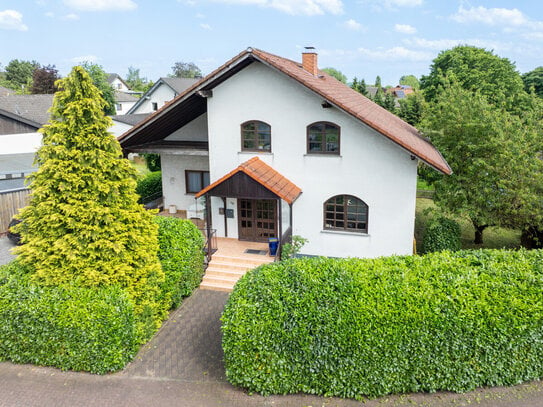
(257, 219)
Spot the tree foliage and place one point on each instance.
(336, 74)
(43, 80)
(495, 157)
(99, 79)
(410, 80)
(136, 82)
(83, 224)
(475, 69)
(19, 74)
(534, 79)
(359, 86)
(412, 108)
(186, 70)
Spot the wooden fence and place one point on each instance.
(10, 203)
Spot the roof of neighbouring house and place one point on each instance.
(131, 119)
(125, 97)
(33, 108)
(331, 90)
(6, 91)
(266, 176)
(179, 84)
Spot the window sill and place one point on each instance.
(345, 232)
(322, 155)
(256, 152)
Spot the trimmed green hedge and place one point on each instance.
(69, 327)
(149, 187)
(370, 327)
(441, 234)
(182, 257)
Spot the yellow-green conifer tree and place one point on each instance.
(83, 223)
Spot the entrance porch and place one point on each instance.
(232, 259)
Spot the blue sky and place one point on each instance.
(362, 38)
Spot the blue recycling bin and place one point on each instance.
(273, 244)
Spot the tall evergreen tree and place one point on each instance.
(83, 224)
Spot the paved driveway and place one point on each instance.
(182, 366)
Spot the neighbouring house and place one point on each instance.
(164, 90)
(20, 118)
(118, 83)
(124, 102)
(6, 91)
(124, 122)
(273, 147)
(401, 91)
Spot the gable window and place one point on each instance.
(119, 107)
(255, 136)
(155, 105)
(347, 213)
(195, 181)
(323, 138)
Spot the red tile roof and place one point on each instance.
(265, 176)
(362, 108)
(330, 89)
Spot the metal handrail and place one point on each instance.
(210, 245)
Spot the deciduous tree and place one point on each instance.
(336, 74)
(410, 80)
(43, 80)
(495, 157)
(99, 79)
(19, 74)
(534, 79)
(185, 70)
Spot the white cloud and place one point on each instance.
(490, 16)
(71, 17)
(50, 14)
(85, 58)
(200, 15)
(405, 28)
(396, 54)
(295, 7)
(380, 5)
(12, 20)
(205, 26)
(443, 44)
(101, 5)
(352, 25)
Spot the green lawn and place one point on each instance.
(494, 237)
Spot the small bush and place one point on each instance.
(149, 187)
(182, 257)
(153, 161)
(69, 327)
(441, 234)
(370, 327)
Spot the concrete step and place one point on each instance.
(216, 287)
(251, 261)
(217, 272)
(220, 280)
(217, 265)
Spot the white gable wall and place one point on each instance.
(370, 166)
(162, 94)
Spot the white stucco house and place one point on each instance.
(277, 147)
(163, 90)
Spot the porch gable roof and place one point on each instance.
(264, 175)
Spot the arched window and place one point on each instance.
(255, 136)
(346, 212)
(323, 138)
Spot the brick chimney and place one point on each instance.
(309, 61)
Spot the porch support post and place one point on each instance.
(280, 220)
(290, 217)
(208, 215)
(225, 217)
